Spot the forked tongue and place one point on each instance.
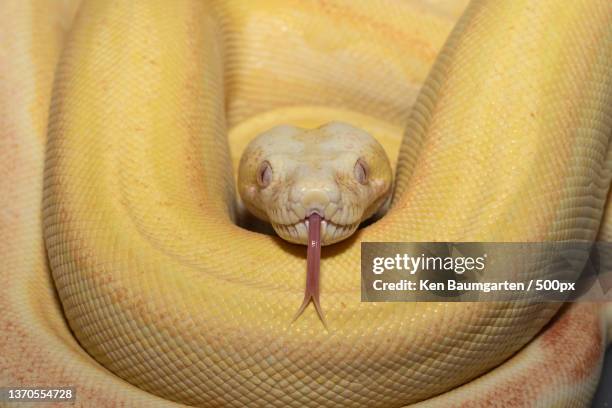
(313, 262)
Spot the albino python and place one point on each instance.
(124, 272)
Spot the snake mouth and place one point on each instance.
(331, 232)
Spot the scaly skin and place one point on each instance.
(508, 141)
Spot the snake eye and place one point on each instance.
(361, 171)
(264, 174)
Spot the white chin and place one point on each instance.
(330, 232)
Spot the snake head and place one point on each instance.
(337, 170)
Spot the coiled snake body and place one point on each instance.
(115, 163)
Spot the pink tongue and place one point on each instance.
(313, 261)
